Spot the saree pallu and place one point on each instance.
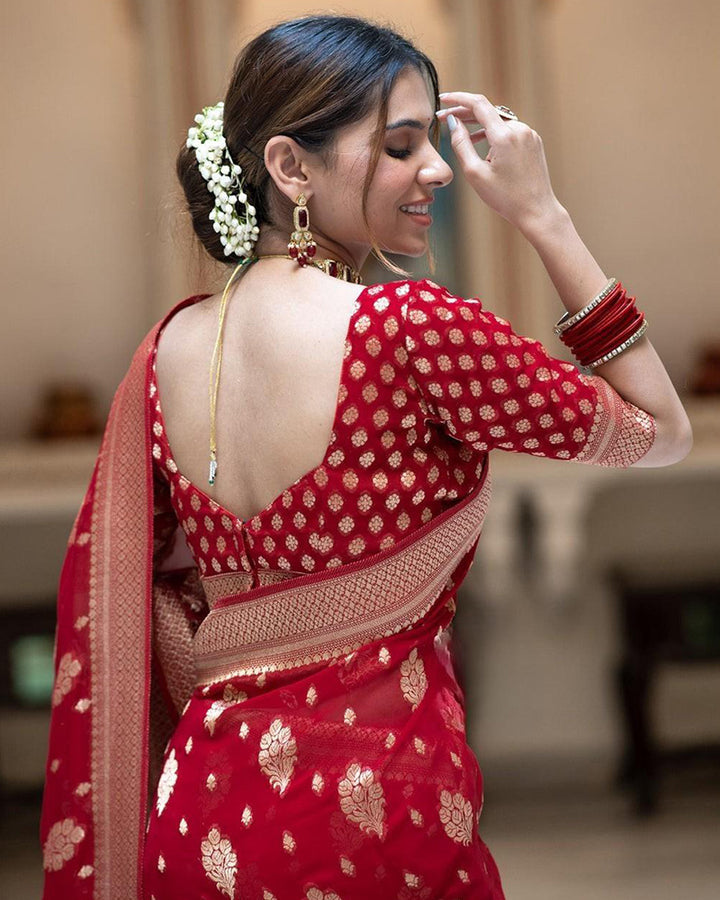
(111, 709)
(303, 740)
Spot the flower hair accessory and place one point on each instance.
(233, 216)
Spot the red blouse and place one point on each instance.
(430, 383)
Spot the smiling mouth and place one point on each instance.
(417, 209)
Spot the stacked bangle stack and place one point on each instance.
(609, 324)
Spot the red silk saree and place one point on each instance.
(282, 719)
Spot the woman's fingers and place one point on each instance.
(481, 108)
(463, 145)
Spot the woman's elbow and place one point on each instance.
(671, 445)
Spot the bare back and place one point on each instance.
(283, 348)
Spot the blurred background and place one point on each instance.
(588, 631)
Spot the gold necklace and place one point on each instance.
(331, 267)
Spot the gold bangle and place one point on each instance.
(625, 344)
(564, 322)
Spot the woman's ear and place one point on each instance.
(287, 165)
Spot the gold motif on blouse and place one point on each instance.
(83, 788)
(220, 862)
(362, 799)
(183, 827)
(244, 730)
(167, 782)
(318, 783)
(61, 843)
(349, 717)
(413, 681)
(247, 817)
(86, 872)
(278, 755)
(311, 696)
(456, 815)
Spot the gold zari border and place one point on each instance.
(322, 616)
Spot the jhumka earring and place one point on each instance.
(302, 247)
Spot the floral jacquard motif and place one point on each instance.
(413, 681)
(220, 862)
(451, 711)
(61, 843)
(314, 893)
(362, 799)
(167, 782)
(456, 815)
(68, 670)
(231, 696)
(278, 755)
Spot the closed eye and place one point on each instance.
(398, 154)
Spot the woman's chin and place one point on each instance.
(409, 248)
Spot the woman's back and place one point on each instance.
(283, 349)
(333, 460)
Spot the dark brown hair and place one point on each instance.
(304, 78)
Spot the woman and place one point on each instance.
(275, 714)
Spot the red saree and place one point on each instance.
(283, 721)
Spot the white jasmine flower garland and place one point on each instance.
(238, 232)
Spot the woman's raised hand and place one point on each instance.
(513, 179)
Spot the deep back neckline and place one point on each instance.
(238, 521)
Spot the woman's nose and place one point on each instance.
(436, 171)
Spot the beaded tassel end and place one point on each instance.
(213, 470)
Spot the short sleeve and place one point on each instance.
(495, 389)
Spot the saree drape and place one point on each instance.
(136, 648)
(244, 731)
(102, 752)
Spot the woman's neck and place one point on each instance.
(273, 241)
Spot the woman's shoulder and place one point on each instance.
(419, 300)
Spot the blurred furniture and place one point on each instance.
(660, 625)
(558, 498)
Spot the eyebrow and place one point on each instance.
(408, 123)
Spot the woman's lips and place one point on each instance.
(422, 218)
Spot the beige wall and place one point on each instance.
(72, 249)
(634, 151)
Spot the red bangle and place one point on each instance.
(596, 320)
(610, 336)
(618, 338)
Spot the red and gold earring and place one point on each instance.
(302, 247)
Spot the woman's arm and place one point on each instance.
(637, 374)
(514, 181)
